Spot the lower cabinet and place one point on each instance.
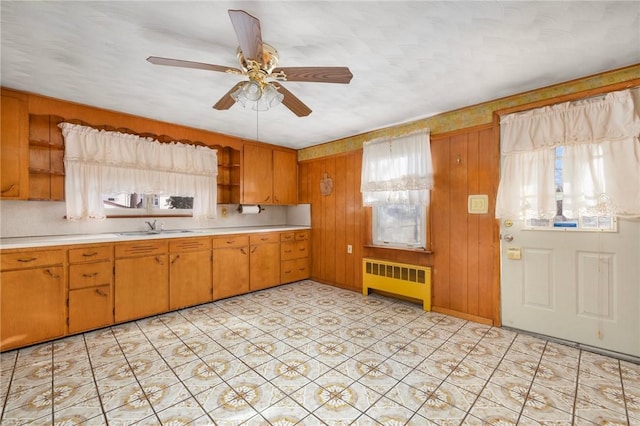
(294, 255)
(90, 287)
(230, 266)
(264, 260)
(189, 272)
(90, 308)
(32, 306)
(44, 296)
(141, 279)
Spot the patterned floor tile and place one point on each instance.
(312, 354)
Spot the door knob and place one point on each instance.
(507, 237)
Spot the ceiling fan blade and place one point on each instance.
(249, 35)
(189, 64)
(316, 74)
(227, 101)
(292, 102)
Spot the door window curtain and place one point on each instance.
(397, 170)
(101, 162)
(600, 162)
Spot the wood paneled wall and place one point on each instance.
(337, 219)
(465, 255)
(465, 246)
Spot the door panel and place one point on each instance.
(578, 286)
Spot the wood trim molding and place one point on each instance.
(464, 316)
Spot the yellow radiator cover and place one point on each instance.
(397, 278)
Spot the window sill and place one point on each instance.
(413, 250)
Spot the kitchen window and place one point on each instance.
(400, 226)
(134, 204)
(99, 163)
(397, 176)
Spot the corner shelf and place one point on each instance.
(46, 154)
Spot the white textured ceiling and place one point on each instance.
(410, 59)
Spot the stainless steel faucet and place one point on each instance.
(152, 225)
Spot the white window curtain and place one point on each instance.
(101, 162)
(397, 170)
(601, 160)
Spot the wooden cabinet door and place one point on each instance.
(142, 287)
(257, 175)
(285, 177)
(189, 279)
(264, 264)
(32, 306)
(14, 148)
(90, 308)
(230, 272)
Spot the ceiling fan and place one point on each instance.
(258, 61)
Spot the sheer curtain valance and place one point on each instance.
(397, 170)
(600, 160)
(101, 162)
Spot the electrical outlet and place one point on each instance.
(224, 212)
(349, 248)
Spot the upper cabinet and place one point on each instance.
(269, 175)
(14, 147)
(285, 177)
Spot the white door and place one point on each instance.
(578, 286)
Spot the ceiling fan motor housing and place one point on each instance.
(269, 59)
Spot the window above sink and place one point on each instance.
(135, 204)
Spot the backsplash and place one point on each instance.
(40, 218)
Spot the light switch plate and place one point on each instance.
(478, 204)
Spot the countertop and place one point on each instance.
(115, 237)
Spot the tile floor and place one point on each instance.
(312, 354)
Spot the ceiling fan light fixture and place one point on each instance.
(272, 96)
(252, 90)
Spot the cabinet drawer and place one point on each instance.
(31, 259)
(231, 241)
(90, 254)
(294, 236)
(294, 270)
(141, 248)
(187, 244)
(287, 236)
(267, 237)
(90, 274)
(294, 250)
(301, 235)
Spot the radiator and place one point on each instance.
(397, 278)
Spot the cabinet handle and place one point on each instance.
(159, 261)
(242, 251)
(90, 275)
(27, 259)
(287, 251)
(267, 199)
(90, 254)
(13, 185)
(253, 249)
(302, 249)
(101, 293)
(51, 274)
(175, 258)
(287, 272)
